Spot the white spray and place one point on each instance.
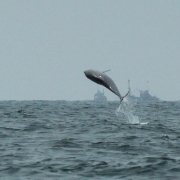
(126, 108)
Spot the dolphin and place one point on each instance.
(102, 79)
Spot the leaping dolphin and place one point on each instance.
(102, 79)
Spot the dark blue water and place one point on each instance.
(87, 140)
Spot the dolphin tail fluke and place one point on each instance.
(124, 97)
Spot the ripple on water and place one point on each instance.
(86, 140)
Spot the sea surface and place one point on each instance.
(86, 140)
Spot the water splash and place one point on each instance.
(126, 108)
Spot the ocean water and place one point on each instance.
(72, 140)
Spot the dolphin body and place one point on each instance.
(102, 79)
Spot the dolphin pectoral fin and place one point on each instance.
(106, 71)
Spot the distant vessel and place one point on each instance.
(99, 96)
(143, 97)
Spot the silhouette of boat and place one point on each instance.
(99, 96)
(144, 96)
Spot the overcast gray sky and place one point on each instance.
(45, 46)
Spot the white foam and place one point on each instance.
(144, 123)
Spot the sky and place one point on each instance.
(46, 45)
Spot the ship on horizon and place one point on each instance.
(99, 96)
(144, 96)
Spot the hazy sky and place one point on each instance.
(45, 46)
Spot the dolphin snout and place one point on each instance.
(87, 73)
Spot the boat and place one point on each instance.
(144, 96)
(99, 96)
